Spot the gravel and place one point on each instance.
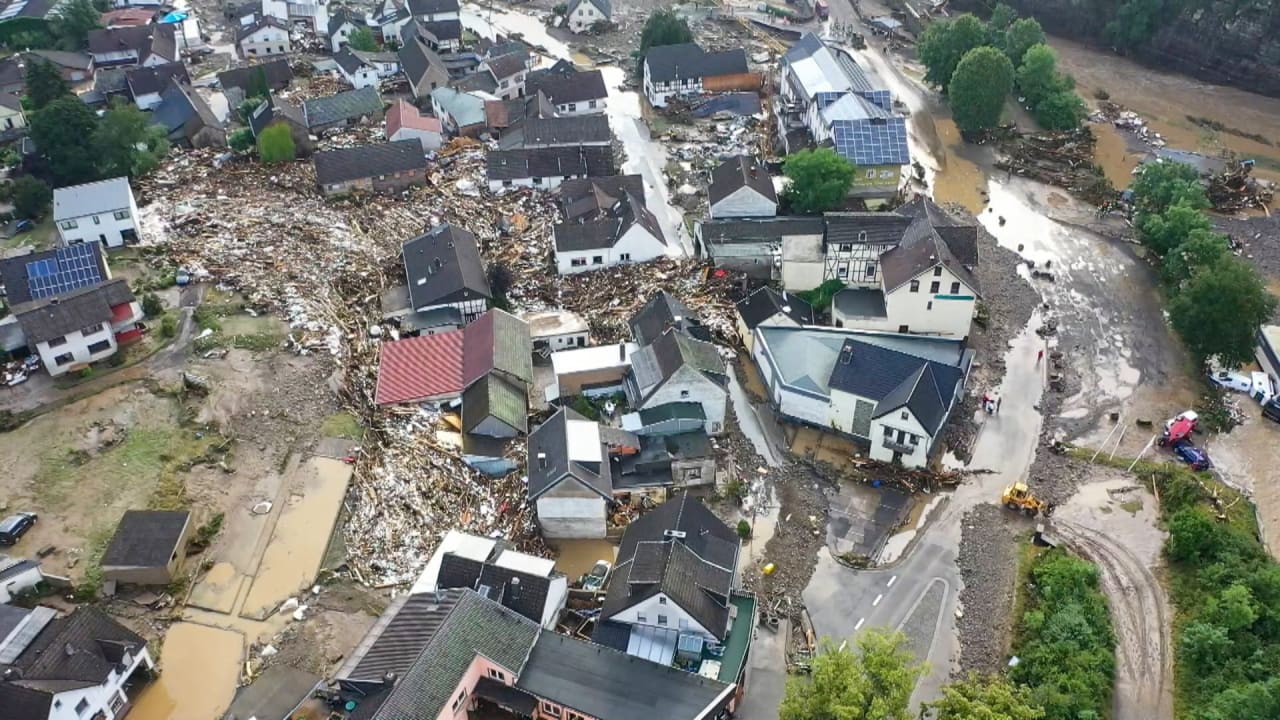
(1261, 239)
(988, 563)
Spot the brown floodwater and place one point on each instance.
(200, 668)
(958, 179)
(1113, 154)
(575, 558)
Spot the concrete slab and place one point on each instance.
(766, 674)
(863, 517)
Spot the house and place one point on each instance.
(188, 119)
(12, 118)
(686, 69)
(147, 83)
(741, 187)
(154, 44)
(570, 482)
(366, 69)
(434, 10)
(387, 18)
(523, 583)
(40, 274)
(404, 122)
(13, 76)
(767, 307)
(571, 91)
(460, 113)
(894, 392)
(497, 370)
(72, 330)
(104, 211)
(628, 233)
(590, 371)
(33, 13)
(545, 132)
(508, 116)
(583, 199)
(342, 110)
(460, 654)
(273, 75)
(273, 112)
(17, 576)
(656, 464)
(82, 665)
(379, 168)
(827, 98)
(75, 67)
(675, 367)
(676, 418)
(342, 23)
(554, 330)
(508, 73)
(264, 37)
(546, 168)
(661, 313)
(448, 286)
(584, 14)
(148, 547)
(787, 248)
(424, 69)
(443, 36)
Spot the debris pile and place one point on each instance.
(1235, 188)
(1062, 158)
(988, 562)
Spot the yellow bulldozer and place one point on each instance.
(1018, 497)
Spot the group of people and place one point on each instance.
(991, 402)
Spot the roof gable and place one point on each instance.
(687, 60)
(737, 173)
(444, 266)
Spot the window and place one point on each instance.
(578, 262)
(571, 715)
(457, 702)
(662, 619)
(846, 247)
(82, 706)
(100, 346)
(689, 474)
(121, 215)
(662, 599)
(70, 225)
(937, 272)
(903, 328)
(641, 617)
(915, 439)
(871, 174)
(929, 305)
(955, 288)
(573, 106)
(591, 103)
(624, 257)
(684, 393)
(537, 181)
(506, 183)
(888, 433)
(505, 84)
(497, 675)
(915, 286)
(862, 236)
(934, 286)
(97, 220)
(549, 709)
(90, 329)
(871, 271)
(842, 272)
(117, 702)
(904, 415)
(60, 340)
(597, 259)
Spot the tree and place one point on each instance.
(1002, 16)
(152, 305)
(44, 82)
(662, 28)
(1038, 76)
(981, 82)
(246, 108)
(362, 39)
(1202, 248)
(1165, 183)
(1135, 22)
(63, 130)
(257, 86)
(1219, 310)
(30, 197)
(275, 144)
(241, 140)
(872, 683)
(1203, 645)
(1062, 110)
(1192, 536)
(1164, 231)
(127, 143)
(1233, 609)
(1021, 36)
(820, 180)
(945, 43)
(984, 698)
(75, 20)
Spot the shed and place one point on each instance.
(148, 547)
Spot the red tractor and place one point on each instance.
(1177, 431)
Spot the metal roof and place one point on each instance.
(91, 198)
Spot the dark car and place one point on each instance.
(1190, 454)
(14, 527)
(1271, 409)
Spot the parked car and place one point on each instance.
(23, 226)
(1232, 381)
(14, 527)
(1190, 454)
(1178, 431)
(1271, 410)
(595, 579)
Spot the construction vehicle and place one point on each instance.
(1019, 497)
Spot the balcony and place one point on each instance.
(904, 448)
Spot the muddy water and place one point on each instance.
(575, 558)
(957, 179)
(508, 22)
(1113, 154)
(200, 667)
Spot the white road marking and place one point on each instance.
(892, 580)
(877, 600)
(859, 625)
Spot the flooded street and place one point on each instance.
(575, 558)
(200, 668)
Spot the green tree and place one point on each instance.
(1021, 36)
(1062, 110)
(31, 197)
(275, 144)
(873, 682)
(662, 28)
(1162, 184)
(1203, 645)
(1202, 248)
(63, 131)
(127, 143)
(33, 39)
(1193, 536)
(984, 698)
(257, 86)
(44, 82)
(1219, 310)
(152, 305)
(241, 140)
(1135, 22)
(1164, 231)
(945, 43)
(979, 87)
(246, 108)
(1233, 609)
(1038, 76)
(820, 180)
(1002, 16)
(362, 39)
(75, 19)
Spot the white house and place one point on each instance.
(741, 187)
(366, 69)
(767, 307)
(571, 91)
(446, 278)
(342, 24)
(554, 330)
(590, 371)
(508, 72)
(434, 10)
(264, 37)
(890, 391)
(546, 168)
(72, 330)
(17, 575)
(628, 233)
(584, 14)
(11, 116)
(686, 69)
(570, 481)
(677, 368)
(104, 210)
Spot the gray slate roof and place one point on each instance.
(96, 643)
(580, 86)
(923, 248)
(277, 73)
(866, 228)
(264, 21)
(406, 626)
(146, 40)
(730, 231)
(893, 378)
(585, 198)
(416, 58)
(658, 361)
(607, 231)
(686, 60)
(861, 302)
(444, 266)
(551, 439)
(431, 7)
(342, 16)
(527, 597)
(559, 131)
(739, 172)
(344, 106)
(146, 538)
(44, 320)
(153, 79)
(604, 6)
(660, 313)
(505, 66)
(549, 162)
(767, 302)
(365, 161)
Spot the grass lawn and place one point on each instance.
(342, 425)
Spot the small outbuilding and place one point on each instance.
(148, 547)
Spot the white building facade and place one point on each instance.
(637, 244)
(105, 211)
(104, 701)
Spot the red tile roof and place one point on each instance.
(128, 17)
(403, 115)
(428, 367)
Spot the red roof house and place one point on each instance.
(404, 122)
(420, 369)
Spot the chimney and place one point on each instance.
(542, 461)
(515, 588)
(622, 351)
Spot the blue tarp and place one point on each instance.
(174, 17)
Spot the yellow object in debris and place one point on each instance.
(768, 569)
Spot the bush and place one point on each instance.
(30, 197)
(744, 529)
(169, 326)
(152, 306)
(275, 144)
(241, 140)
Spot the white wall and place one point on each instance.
(896, 424)
(99, 696)
(340, 36)
(570, 517)
(636, 245)
(78, 346)
(843, 407)
(925, 312)
(430, 140)
(586, 107)
(265, 42)
(511, 87)
(10, 119)
(547, 183)
(744, 202)
(802, 262)
(557, 594)
(363, 77)
(689, 385)
(659, 92)
(24, 580)
(436, 17)
(677, 618)
(104, 226)
(584, 17)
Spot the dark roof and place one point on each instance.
(24, 704)
(75, 266)
(431, 7)
(680, 549)
(416, 58)
(476, 626)
(146, 40)
(348, 105)
(44, 320)
(584, 198)
(342, 16)
(277, 72)
(73, 60)
(579, 86)
(869, 228)
(476, 82)
(767, 302)
(922, 248)
(111, 80)
(348, 61)
(728, 231)
(497, 397)
(75, 651)
(146, 538)
(602, 682)
(507, 696)
(528, 596)
(861, 302)
(549, 461)
(179, 104)
(366, 161)
(504, 66)
(498, 340)
(687, 60)
(270, 111)
(153, 79)
(660, 313)
(397, 640)
(263, 21)
(549, 162)
(607, 231)
(42, 9)
(604, 6)
(12, 72)
(444, 266)
(893, 378)
(559, 131)
(739, 172)
(442, 30)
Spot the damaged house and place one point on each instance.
(570, 90)
(546, 168)
(379, 168)
(622, 232)
(446, 288)
(767, 307)
(342, 110)
(154, 44)
(188, 119)
(676, 367)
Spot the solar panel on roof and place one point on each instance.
(71, 268)
(13, 10)
(869, 142)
